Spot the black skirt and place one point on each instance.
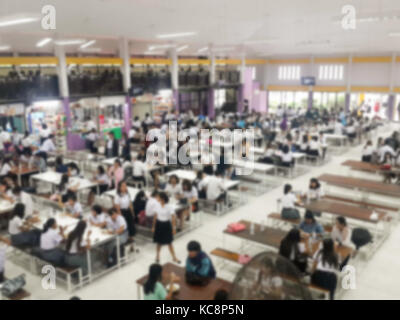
(163, 232)
(129, 221)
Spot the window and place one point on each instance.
(289, 73)
(331, 72)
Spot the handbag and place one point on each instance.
(12, 286)
(142, 218)
(236, 227)
(244, 259)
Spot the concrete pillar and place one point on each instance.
(212, 66)
(242, 70)
(174, 76)
(310, 99)
(211, 109)
(347, 100)
(391, 107)
(126, 82)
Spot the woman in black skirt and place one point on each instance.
(123, 204)
(164, 226)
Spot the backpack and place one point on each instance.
(12, 286)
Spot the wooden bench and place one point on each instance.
(277, 217)
(226, 254)
(234, 257)
(362, 203)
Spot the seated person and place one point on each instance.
(315, 191)
(310, 226)
(293, 249)
(5, 192)
(189, 198)
(154, 289)
(286, 157)
(73, 170)
(116, 224)
(103, 181)
(60, 167)
(268, 154)
(325, 266)
(289, 202)
(139, 170)
(52, 236)
(367, 152)
(304, 144)
(76, 247)
(97, 217)
(73, 208)
(173, 187)
(64, 189)
(199, 266)
(139, 204)
(314, 147)
(341, 232)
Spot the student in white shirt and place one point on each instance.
(5, 192)
(293, 249)
(188, 198)
(97, 217)
(315, 191)
(16, 224)
(76, 247)
(215, 188)
(26, 199)
(173, 187)
(341, 232)
(338, 127)
(73, 208)
(152, 207)
(50, 239)
(45, 132)
(304, 144)
(123, 205)
(323, 144)
(289, 202)
(102, 180)
(116, 225)
(5, 167)
(139, 170)
(367, 152)
(384, 150)
(286, 157)
(91, 139)
(326, 264)
(164, 226)
(314, 147)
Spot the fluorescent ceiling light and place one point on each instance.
(87, 44)
(176, 35)
(43, 42)
(69, 42)
(155, 53)
(15, 21)
(161, 46)
(202, 50)
(4, 48)
(182, 48)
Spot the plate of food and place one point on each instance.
(175, 287)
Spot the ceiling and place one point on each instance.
(286, 27)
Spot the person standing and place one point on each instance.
(164, 226)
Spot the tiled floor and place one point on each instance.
(377, 279)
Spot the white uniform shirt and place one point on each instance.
(98, 219)
(50, 240)
(173, 191)
(3, 249)
(190, 194)
(75, 209)
(117, 224)
(152, 207)
(123, 201)
(48, 146)
(215, 186)
(368, 151)
(139, 168)
(289, 200)
(165, 213)
(313, 194)
(323, 266)
(14, 226)
(5, 169)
